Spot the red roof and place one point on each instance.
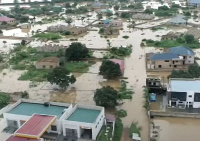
(120, 62)
(110, 117)
(35, 126)
(6, 19)
(13, 138)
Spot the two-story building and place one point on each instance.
(177, 58)
(184, 93)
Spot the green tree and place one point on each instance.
(69, 20)
(165, 8)
(1, 59)
(116, 7)
(189, 38)
(148, 11)
(187, 13)
(61, 76)
(1, 32)
(76, 51)
(110, 70)
(106, 96)
(4, 100)
(99, 16)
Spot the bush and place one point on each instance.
(1, 59)
(47, 36)
(4, 100)
(134, 129)
(24, 94)
(121, 113)
(126, 37)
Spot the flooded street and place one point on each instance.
(178, 129)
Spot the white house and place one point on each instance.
(27, 116)
(84, 121)
(184, 92)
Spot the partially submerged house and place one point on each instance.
(177, 58)
(194, 31)
(74, 30)
(37, 120)
(96, 5)
(170, 36)
(50, 48)
(24, 26)
(7, 20)
(184, 93)
(111, 31)
(178, 20)
(47, 63)
(195, 3)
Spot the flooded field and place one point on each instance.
(178, 129)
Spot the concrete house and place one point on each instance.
(143, 16)
(170, 36)
(111, 31)
(177, 58)
(24, 26)
(184, 93)
(35, 121)
(47, 63)
(7, 20)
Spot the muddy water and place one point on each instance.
(178, 129)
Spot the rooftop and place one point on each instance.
(29, 109)
(14, 138)
(6, 19)
(181, 50)
(35, 126)
(84, 115)
(179, 19)
(163, 56)
(184, 85)
(194, 1)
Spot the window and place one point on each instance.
(190, 56)
(159, 66)
(53, 128)
(175, 66)
(197, 97)
(176, 61)
(166, 60)
(169, 65)
(51, 66)
(190, 96)
(44, 66)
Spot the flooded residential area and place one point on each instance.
(117, 70)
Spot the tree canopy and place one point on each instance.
(61, 76)
(76, 51)
(189, 38)
(192, 72)
(4, 100)
(110, 70)
(106, 96)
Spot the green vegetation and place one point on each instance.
(24, 94)
(61, 76)
(125, 15)
(120, 52)
(76, 51)
(110, 70)
(106, 97)
(1, 59)
(81, 67)
(164, 11)
(192, 72)
(187, 40)
(35, 75)
(121, 113)
(47, 36)
(118, 130)
(4, 99)
(125, 93)
(146, 97)
(134, 129)
(125, 37)
(102, 136)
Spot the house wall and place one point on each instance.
(116, 23)
(166, 65)
(189, 60)
(46, 65)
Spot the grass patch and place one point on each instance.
(102, 136)
(124, 92)
(147, 98)
(118, 130)
(47, 36)
(35, 75)
(81, 66)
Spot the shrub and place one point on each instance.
(121, 113)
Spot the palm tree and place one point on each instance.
(68, 21)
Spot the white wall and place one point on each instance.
(189, 60)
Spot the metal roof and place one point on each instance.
(181, 50)
(13, 138)
(194, 2)
(163, 56)
(184, 85)
(179, 19)
(35, 126)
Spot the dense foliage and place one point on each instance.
(110, 70)
(76, 51)
(4, 100)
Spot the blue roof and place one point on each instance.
(153, 97)
(194, 2)
(96, 4)
(107, 21)
(185, 85)
(163, 56)
(181, 50)
(179, 19)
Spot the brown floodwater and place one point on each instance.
(177, 129)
